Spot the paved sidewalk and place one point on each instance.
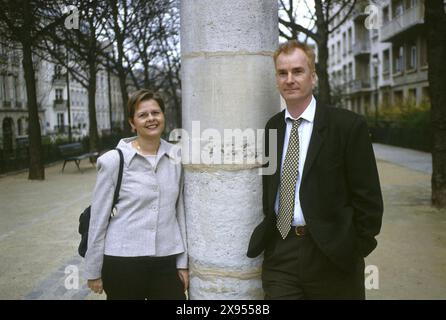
(412, 159)
(38, 232)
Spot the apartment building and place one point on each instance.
(378, 57)
(13, 111)
(52, 99)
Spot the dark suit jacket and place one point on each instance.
(340, 193)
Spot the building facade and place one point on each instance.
(52, 99)
(378, 57)
(13, 112)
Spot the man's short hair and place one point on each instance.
(292, 45)
(142, 95)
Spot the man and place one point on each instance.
(323, 206)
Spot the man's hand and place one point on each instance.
(96, 285)
(184, 277)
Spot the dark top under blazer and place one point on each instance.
(340, 193)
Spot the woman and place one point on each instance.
(140, 253)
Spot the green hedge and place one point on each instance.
(18, 158)
(405, 125)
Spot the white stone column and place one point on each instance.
(227, 83)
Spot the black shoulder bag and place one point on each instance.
(84, 218)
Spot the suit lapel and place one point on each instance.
(316, 140)
(280, 126)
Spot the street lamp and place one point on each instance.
(375, 63)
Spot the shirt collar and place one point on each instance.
(129, 152)
(307, 115)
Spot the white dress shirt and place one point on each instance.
(305, 130)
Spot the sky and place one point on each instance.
(303, 12)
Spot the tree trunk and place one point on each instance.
(125, 99)
(146, 75)
(435, 19)
(110, 106)
(93, 128)
(324, 94)
(70, 134)
(122, 74)
(36, 168)
(177, 116)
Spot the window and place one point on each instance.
(344, 44)
(60, 120)
(399, 59)
(385, 15)
(20, 127)
(59, 94)
(413, 95)
(399, 9)
(398, 97)
(411, 3)
(2, 88)
(413, 57)
(58, 70)
(350, 72)
(339, 51)
(16, 88)
(375, 67)
(386, 61)
(349, 39)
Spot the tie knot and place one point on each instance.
(296, 123)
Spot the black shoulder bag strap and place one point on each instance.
(118, 184)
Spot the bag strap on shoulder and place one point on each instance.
(118, 184)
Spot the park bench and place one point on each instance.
(75, 152)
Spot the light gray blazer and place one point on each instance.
(150, 218)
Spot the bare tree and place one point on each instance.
(80, 51)
(169, 46)
(26, 22)
(143, 43)
(435, 20)
(153, 57)
(119, 27)
(327, 17)
(142, 34)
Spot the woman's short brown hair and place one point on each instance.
(142, 95)
(292, 45)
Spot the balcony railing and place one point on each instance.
(59, 79)
(60, 104)
(358, 85)
(398, 25)
(361, 48)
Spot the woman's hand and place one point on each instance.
(95, 285)
(184, 277)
